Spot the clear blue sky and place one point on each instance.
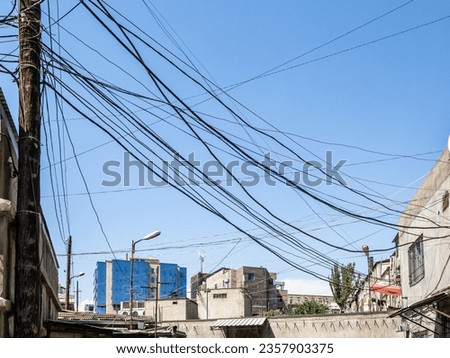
(383, 87)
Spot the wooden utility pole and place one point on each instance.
(27, 300)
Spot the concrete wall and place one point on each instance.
(172, 309)
(370, 325)
(425, 215)
(224, 278)
(426, 209)
(223, 303)
(259, 283)
(8, 198)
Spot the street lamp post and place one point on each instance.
(133, 248)
(68, 288)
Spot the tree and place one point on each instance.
(344, 284)
(310, 307)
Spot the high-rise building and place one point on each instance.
(112, 282)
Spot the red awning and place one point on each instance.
(387, 289)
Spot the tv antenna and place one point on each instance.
(201, 256)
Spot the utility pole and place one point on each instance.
(156, 302)
(69, 259)
(27, 300)
(77, 297)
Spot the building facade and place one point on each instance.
(8, 199)
(112, 280)
(256, 282)
(423, 246)
(215, 303)
(381, 290)
(170, 309)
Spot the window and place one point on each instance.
(220, 295)
(445, 201)
(139, 304)
(251, 276)
(415, 261)
(421, 334)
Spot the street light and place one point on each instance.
(133, 248)
(79, 275)
(68, 288)
(77, 297)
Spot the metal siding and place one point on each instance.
(240, 322)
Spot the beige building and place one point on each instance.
(8, 195)
(257, 282)
(214, 303)
(170, 309)
(385, 290)
(423, 247)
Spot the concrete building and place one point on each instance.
(170, 309)
(8, 198)
(257, 282)
(381, 290)
(424, 256)
(112, 282)
(215, 303)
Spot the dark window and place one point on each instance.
(219, 295)
(421, 334)
(445, 201)
(415, 261)
(251, 276)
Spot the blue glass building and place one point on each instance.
(112, 282)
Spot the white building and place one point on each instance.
(423, 247)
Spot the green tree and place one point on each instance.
(344, 284)
(310, 307)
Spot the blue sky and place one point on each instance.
(376, 97)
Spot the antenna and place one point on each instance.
(201, 256)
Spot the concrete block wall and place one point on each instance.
(361, 325)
